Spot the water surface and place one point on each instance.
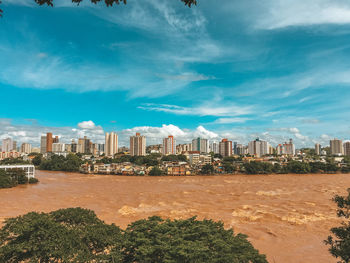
(285, 216)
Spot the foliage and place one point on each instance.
(258, 167)
(66, 235)
(191, 240)
(148, 160)
(77, 235)
(174, 158)
(12, 177)
(339, 242)
(298, 167)
(156, 171)
(37, 159)
(71, 163)
(11, 161)
(207, 169)
(33, 180)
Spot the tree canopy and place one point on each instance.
(108, 3)
(339, 242)
(77, 235)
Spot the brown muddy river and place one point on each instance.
(285, 216)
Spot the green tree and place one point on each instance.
(186, 241)
(339, 241)
(37, 160)
(156, 171)
(6, 180)
(207, 169)
(66, 235)
(77, 235)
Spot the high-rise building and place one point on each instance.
(182, 148)
(73, 146)
(200, 145)
(235, 148)
(43, 144)
(111, 144)
(318, 149)
(8, 145)
(241, 149)
(214, 147)
(58, 147)
(137, 145)
(49, 142)
(169, 145)
(289, 148)
(258, 147)
(225, 148)
(26, 148)
(84, 145)
(336, 147)
(347, 148)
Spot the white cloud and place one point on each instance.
(205, 109)
(230, 120)
(87, 125)
(285, 13)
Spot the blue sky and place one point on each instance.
(274, 69)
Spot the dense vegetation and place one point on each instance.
(339, 241)
(291, 167)
(12, 161)
(71, 163)
(77, 235)
(14, 177)
(148, 160)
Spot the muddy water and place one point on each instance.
(285, 216)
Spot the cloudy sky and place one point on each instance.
(274, 69)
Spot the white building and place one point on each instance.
(214, 147)
(258, 148)
(336, 147)
(8, 145)
(200, 145)
(26, 148)
(111, 144)
(169, 145)
(29, 169)
(58, 147)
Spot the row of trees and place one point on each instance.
(14, 177)
(268, 168)
(71, 163)
(77, 235)
(153, 159)
(291, 167)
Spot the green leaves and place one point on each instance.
(188, 3)
(339, 242)
(77, 235)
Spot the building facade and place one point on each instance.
(137, 145)
(169, 145)
(225, 148)
(258, 148)
(111, 144)
(26, 148)
(336, 147)
(200, 145)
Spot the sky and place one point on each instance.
(273, 69)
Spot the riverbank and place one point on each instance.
(285, 216)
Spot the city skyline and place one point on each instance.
(275, 74)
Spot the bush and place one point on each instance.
(33, 180)
(77, 235)
(339, 241)
(156, 171)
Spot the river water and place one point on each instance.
(285, 216)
